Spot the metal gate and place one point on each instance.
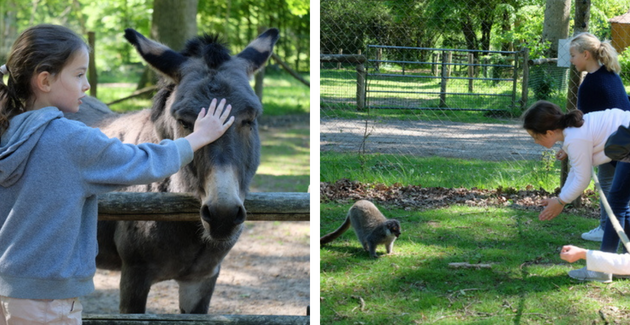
(418, 78)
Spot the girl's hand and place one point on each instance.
(572, 253)
(561, 155)
(211, 124)
(552, 210)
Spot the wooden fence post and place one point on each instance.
(524, 88)
(445, 73)
(92, 66)
(360, 86)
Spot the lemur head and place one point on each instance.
(393, 226)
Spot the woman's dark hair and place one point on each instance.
(39, 48)
(543, 116)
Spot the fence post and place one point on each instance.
(445, 59)
(515, 76)
(92, 67)
(360, 87)
(524, 91)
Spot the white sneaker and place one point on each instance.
(594, 235)
(585, 275)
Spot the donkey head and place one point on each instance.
(221, 171)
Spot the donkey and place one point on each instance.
(191, 253)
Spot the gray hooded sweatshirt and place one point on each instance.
(51, 170)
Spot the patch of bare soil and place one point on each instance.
(266, 273)
(413, 197)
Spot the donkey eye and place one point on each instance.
(185, 125)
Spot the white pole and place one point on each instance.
(611, 215)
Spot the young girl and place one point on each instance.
(583, 137)
(52, 169)
(601, 89)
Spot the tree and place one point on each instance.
(556, 24)
(173, 23)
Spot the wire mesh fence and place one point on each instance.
(406, 81)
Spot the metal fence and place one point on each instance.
(406, 79)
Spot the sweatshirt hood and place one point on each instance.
(18, 141)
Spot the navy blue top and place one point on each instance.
(601, 90)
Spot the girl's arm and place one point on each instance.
(607, 262)
(580, 154)
(107, 164)
(597, 260)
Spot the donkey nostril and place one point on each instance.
(205, 213)
(234, 215)
(240, 216)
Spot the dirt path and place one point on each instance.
(419, 138)
(266, 273)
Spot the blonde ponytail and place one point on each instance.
(608, 56)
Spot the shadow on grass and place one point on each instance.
(526, 283)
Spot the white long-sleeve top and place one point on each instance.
(607, 262)
(585, 148)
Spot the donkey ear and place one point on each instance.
(259, 50)
(159, 56)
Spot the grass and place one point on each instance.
(527, 283)
(285, 161)
(438, 171)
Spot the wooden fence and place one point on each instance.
(360, 61)
(185, 207)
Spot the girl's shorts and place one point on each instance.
(15, 311)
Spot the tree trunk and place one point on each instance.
(173, 23)
(556, 25)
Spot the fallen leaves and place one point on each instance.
(416, 197)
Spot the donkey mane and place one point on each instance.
(210, 47)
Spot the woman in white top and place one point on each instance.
(583, 138)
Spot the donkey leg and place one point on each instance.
(135, 285)
(195, 295)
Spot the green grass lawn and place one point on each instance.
(285, 161)
(439, 172)
(527, 283)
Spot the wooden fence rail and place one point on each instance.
(149, 319)
(185, 207)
